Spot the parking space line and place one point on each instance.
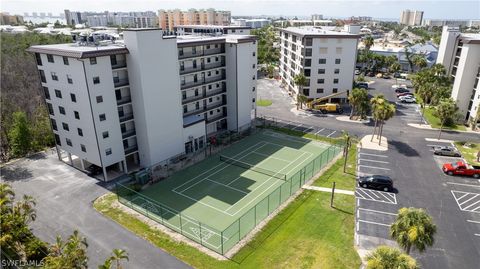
(462, 184)
(476, 234)
(372, 222)
(460, 198)
(320, 131)
(377, 211)
(297, 126)
(475, 209)
(473, 221)
(331, 133)
(472, 204)
(388, 198)
(369, 154)
(375, 161)
(468, 199)
(374, 167)
(364, 192)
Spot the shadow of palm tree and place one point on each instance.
(13, 173)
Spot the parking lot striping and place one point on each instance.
(471, 205)
(468, 200)
(362, 193)
(374, 167)
(331, 133)
(320, 131)
(371, 198)
(473, 221)
(377, 211)
(476, 234)
(373, 222)
(463, 196)
(462, 184)
(375, 161)
(369, 154)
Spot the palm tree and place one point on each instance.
(476, 119)
(26, 209)
(301, 99)
(301, 81)
(395, 67)
(377, 103)
(118, 256)
(445, 110)
(386, 112)
(368, 41)
(384, 257)
(357, 100)
(419, 61)
(106, 265)
(413, 228)
(6, 195)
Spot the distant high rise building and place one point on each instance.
(42, 15)
(25, 14)
(34, 14)
(411, 17)
(168, 19)
(360, 18)
(316, 17)
(6, 19)
(454, 23)
(50, 14)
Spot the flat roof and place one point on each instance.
(318, 32)
(75, 50)
(189, 40)
(470, 38)
(212, 26)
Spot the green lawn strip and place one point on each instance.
(308, 233)
(469, 153)
(344, 181)
(435, 122)
(264, 102)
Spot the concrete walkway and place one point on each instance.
(315, 188)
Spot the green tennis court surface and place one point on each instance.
(218, 201)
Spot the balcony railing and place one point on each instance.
(131, 149)
(223, 89)
(215, 105)
(119, 64)
(213, 51)
(198, 53)
(214, 79)
(119, 82)
(124, 100)
(125, 117)
(190, 69)
(202, 81)
(128, 133)
(201, 67)
(216, 117)
(205, 108)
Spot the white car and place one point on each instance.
(407, 99)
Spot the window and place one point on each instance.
(208, 60)
(338, 50)
(334, 90)
(335, 81)
(185, 109)
(42, 76)
(253, 66)
(50, 109)
(308, 62)
(105, 134)
(308, 41)
(99, 99)
(57, 140)
(65, 126)
(253, 78)
(253, 54)
(102, 117)
(77, 115)
(73, 97)
(253, 89)
(58, 94)
(46, 93)
(50, 58)
(294, 38)
(96, 80)
(54, 76)
(337, 61)
(307, 72)
(69, 79)
(336, 71)
(38, 58)
(323, 50)
(93, 60)
(61, 109)
(320, 81)
(80, 132)
(108, 151)
(65, 60)
(308, 52)
(320, 90)
(306, 91)
(82, 146)
(208, 47)
(54, 124)
(69, 142)
(322, 61)
(321, 71)
(253, 100)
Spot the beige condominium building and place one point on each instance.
(168, 19)
(411, 17)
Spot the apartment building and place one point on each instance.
(326, 58)
(211, 30)
(460, 54)
(147, 100)
(168, 19)
(7, 19)
(411, 17)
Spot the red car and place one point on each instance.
(462, 169)
(404, 94)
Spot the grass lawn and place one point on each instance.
(470, 153)
(345, 181)
(435, 122)
(264, 102)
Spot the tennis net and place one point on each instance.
(253, 167)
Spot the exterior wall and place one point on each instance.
(448, 45)
(155, 90)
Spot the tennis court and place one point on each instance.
(220, 200)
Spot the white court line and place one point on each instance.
(331, 133)
(369, 154)
(372, 222)
(253, 199)
(202, 203)
(473, 221)
(374, 167)
(280, 159)
(377, 211)
(375, 161)
(320, 131)
(461, 184)
(220, 164)
(230, 187)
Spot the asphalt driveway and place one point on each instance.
(64, 198)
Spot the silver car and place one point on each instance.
(446, 151)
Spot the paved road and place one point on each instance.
(453, 202)
(64, 202)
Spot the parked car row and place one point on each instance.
(460, 168)
(403, 94)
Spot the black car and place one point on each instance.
(401, 90)
(397, 75)
(378, 182)
(94, 170)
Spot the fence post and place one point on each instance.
(255, 216)
(221, 240)
(200, 235)
(333, 194)
(291, 184)
(280, 196)
(181, 226)
(161, 214)
(268, 204)
(239, 229)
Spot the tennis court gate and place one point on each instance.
(209, 237)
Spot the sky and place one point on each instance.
(439, 9)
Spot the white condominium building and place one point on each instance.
(168, 19)
(460, 54)
(155, 97)
(411, 17)
(326, 58)
(211, 30)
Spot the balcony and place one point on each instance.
(119, 64)
(131, 149)
(190, 70)
(216, 117)
(214, 51)
(215, 105)
(202, 81)
(192, 119)
(124, 100)
(125, 117)
(128, 133)
(190, 54)
(223, 89)
(215, 79)
(120, 82)
(201, 67)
